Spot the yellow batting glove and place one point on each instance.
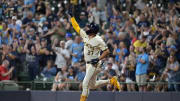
(75, 25)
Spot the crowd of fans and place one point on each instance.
(36, 37)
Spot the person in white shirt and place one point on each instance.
(69, 41)
(62, 53)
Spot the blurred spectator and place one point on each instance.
(114, 66)
(109, 73)
(57, 32)
(173, 72)
(44, 51)
(130, 67)
(28, 18)
(63, 54)
(10, 54)
(141, 69)
(77, 50)
(132, 36)
(59, 79)
(83, 19)
(14, 26)
(49, 71)
(80, 76)
(71, 78)
(120, 52)
(69, 41)
(140, 44)
(155, 61)
(30, 4)
(5, 74)
(32, 59)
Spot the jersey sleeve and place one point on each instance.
(83, 34)
(102, 45)
(76, 27)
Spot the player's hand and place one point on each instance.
(94, 61)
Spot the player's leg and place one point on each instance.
(113, 81)
(89, 73)
(101, 83)
(95, 84)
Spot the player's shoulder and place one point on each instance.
(98, 38)
(83, 33)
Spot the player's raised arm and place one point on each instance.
(75, 25)
(74, 22)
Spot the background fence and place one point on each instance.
(47, 85)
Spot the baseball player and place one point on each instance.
(95, 50)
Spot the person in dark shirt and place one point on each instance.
(143, 22)
(32, 60)
(153, 76)
(83, 19)
(28, 19)
(49, 71)
(71, 75)
(71, 78)
(45, 52)
(111, 71)
(41, 8)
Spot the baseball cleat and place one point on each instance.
(83, 98)
(114, 82)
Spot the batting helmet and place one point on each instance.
(93, 28)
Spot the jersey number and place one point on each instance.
(90, 52)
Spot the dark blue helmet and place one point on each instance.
(93, 28)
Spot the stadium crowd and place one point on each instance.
(36, 38)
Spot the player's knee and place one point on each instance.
(93, 87)
(85, 85)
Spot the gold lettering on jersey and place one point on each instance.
(91, 48)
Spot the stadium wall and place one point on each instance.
(94, 96)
